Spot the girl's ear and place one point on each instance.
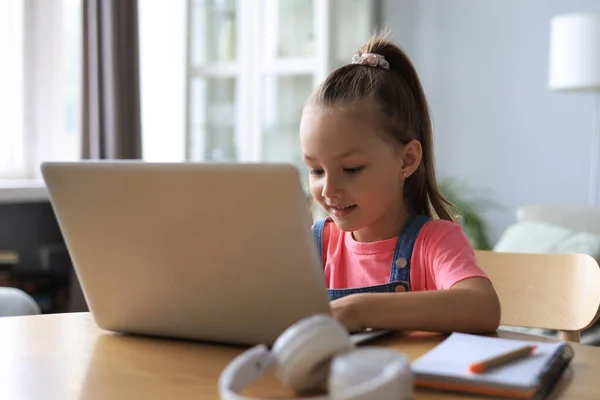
(412, 153)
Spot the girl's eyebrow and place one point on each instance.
(351, 152)
(345, 154)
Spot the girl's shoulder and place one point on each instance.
(437, 230)
(440, 225)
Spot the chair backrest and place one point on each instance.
(551, 291)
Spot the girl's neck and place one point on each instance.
(388, 226)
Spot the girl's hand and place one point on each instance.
(346, 311)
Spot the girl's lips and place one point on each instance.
(342, 211)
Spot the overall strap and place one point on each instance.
(404, 248)
(317, 229)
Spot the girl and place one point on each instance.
(366, 139)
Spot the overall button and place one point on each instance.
(399, 288)
(401, 263)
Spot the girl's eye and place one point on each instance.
(317, 172)
(353, 170)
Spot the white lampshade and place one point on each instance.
(575, 52)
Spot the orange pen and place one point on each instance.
(503, 359)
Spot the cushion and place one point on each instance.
(542, 237)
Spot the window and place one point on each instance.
(256, 105)
(162, 33)
(12, 157)
(40, 99)
(225, 80)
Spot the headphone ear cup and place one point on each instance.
(371, 373)
(305, 349)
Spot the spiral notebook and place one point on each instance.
(446, 367)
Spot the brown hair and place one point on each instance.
(405, 114)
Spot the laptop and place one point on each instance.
(218, 252)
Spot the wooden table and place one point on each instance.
(66, 356)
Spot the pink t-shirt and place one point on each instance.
(442, 256)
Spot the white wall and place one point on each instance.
(484, 65)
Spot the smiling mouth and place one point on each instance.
(338, 208)
(341, 212)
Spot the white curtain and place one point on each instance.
(12, 141)
(40, 86)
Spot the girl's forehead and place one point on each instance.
(337, 123)
(339, 130)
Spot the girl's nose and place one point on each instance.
(331, 188)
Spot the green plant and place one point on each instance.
(468, 207)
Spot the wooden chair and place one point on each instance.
(550, 291)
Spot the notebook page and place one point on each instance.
(452, 357)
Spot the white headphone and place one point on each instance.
(317, 353)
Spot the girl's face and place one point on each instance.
(354, 174)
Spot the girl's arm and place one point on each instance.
(471, 306)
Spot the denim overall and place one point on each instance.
(400, 272)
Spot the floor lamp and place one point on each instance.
(575, 66)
